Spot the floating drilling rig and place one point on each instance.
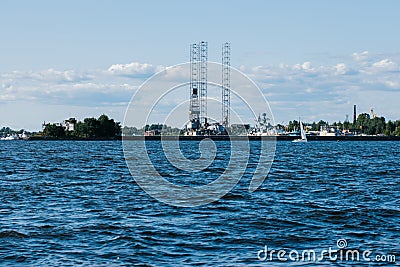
(199, 123)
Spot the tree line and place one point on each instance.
(364, 125)
(157, 128)
(100, 128)
(7, 130)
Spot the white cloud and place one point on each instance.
(134, 69)
(360, 56)
(50, 75)
(177, 73)
(306, 66)
(339, 86)
(393, 84)
(63, 76)
(68, 87)
(340, 69)
(385, 64)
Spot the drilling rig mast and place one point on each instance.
(226, 84)
(198, 123)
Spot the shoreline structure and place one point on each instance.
(224, 138)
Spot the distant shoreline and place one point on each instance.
(224, 137)
(277, 138)
(46, 138)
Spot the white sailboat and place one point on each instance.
(303, 135)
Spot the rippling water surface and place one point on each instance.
(75, 203)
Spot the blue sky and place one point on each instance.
(313, 59)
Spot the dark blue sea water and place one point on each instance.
(75, 203)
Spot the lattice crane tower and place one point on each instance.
(198, 82)
(226, 84)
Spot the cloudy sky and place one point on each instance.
(313, 59)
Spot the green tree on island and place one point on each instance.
(53, 130)
(101, 128)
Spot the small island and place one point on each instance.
(102, 128)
